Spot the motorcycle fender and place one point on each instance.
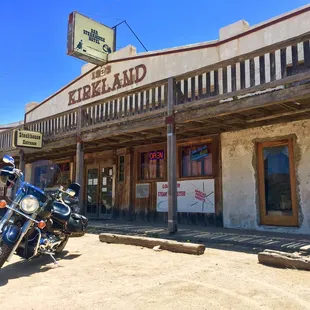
(11, 234)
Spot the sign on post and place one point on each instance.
(28, 139)
(89, 40)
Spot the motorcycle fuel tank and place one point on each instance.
(61, 212)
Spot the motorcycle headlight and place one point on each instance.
(29, 204)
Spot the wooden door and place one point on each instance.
(92, 192)
(106, 193)
(277, 183)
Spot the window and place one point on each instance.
(121, 169)
(152, 165)
(277, 184)
(196, 160)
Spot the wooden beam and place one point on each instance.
(168, 245)
(245, 104)
(126, 120)
(223, 123)
(289, 108)
(284, 260)
(277, 115)
(147, 124)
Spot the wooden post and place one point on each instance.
(22, 161)
(171, 150)
(132, 185)
(79, 169)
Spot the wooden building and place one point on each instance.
(242, 124)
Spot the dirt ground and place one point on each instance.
(94, 275)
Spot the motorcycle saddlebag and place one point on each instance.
(77, 225)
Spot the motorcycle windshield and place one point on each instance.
(47, 175)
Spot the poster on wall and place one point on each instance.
(194, 196)
(143, 190)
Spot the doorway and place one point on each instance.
(277, 183)
(99, 192)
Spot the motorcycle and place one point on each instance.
(38, 221)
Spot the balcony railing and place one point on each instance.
(269, 67)
(6, 140)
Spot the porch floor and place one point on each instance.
(210, 236)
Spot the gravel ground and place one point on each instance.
(94, 275)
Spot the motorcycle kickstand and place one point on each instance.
(54, 259)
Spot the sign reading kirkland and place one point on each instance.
(89, 40)
(194, 196)
(31, 139)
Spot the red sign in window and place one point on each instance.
(156, 155)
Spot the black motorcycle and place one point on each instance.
(38, 220)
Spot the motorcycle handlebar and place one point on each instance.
(13, 172)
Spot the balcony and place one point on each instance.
(267, 86)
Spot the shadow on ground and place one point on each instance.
(26, 268)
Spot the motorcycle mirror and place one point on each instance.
(8, 159)
(70, 192)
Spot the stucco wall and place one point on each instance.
(164, 66)
(240, 197)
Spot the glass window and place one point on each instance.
(277, 180)
(152, 165)
(121, 169)
(277, 183)
(196, 160)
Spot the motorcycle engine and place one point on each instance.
(49, 243)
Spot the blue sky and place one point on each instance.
(34, 63)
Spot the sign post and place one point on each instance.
(171, 148)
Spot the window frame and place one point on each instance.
(276, 220)
(146, 149)
(194, 143)
(119, 170)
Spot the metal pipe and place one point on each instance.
(171, 150)
(38, 242)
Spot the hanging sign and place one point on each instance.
(89, 40)
(26, 138)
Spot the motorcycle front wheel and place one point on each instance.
(5, 251)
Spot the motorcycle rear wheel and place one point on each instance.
(5, 251)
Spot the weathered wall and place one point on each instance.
(161, 66)
(240, 189)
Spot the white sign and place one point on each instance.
(88, 39)
(29, 139)
(195, 196)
